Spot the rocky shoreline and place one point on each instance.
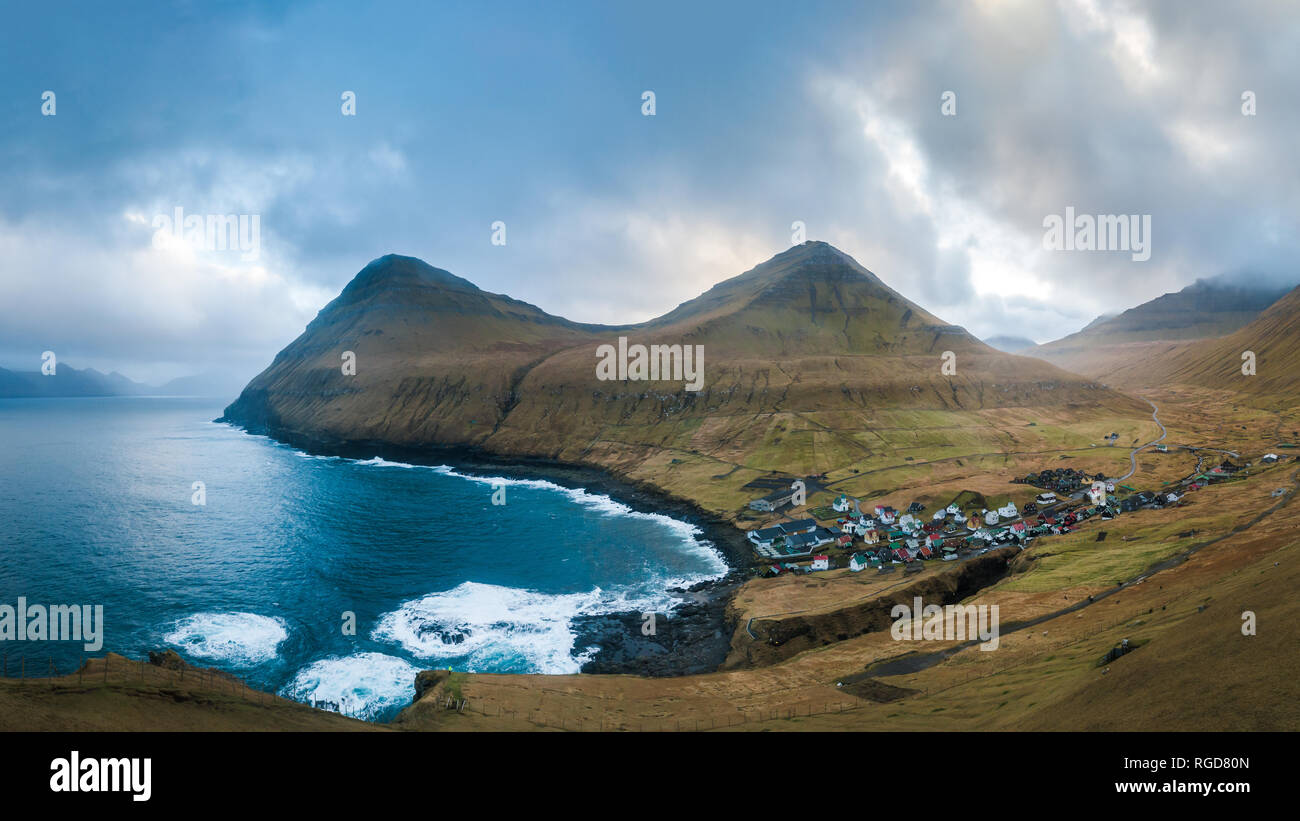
(694, 638)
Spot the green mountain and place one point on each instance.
(440, 362)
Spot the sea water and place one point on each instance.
(316, 577)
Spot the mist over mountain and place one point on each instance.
(1010, 344)
(67, 381)
(1272, 342)
(1206, 309)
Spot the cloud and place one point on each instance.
(830, 117)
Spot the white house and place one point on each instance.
(1269, 458)
(841, 504)
(958, 518)
(821, 563)
(1097, 493)
(953, 509)
(990, 517)
(1008, 511)
(939, 514)
(858, 562)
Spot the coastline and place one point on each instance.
(697, 636)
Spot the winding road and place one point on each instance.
(1133, 456)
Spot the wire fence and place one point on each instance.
(616, 722)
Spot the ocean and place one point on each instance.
(97, 507)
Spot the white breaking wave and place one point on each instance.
(239, 639)
(505, 628)
(365, 685)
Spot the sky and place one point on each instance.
(529, 114)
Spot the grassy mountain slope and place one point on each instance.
(1206, 309)
(1274, 338)
(809, 333)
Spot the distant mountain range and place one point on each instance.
(67, 381)
(1206, 309)
(441, 362)
(1010, 344)
(1273, 338)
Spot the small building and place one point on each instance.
(766, 536)
(820, 563)
(773, 501)
(1269, 458)
(859, 562)
(872, 536)
(842, 504)
(800, 544)
(798, 526)
(1097, 493)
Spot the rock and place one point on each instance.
(427, 680)
(168, 659)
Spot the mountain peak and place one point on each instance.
(814, 252)
(395, 270)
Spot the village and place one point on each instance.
(882, 538)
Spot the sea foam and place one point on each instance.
(505, 629)
(238, 639)
(365, 685)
